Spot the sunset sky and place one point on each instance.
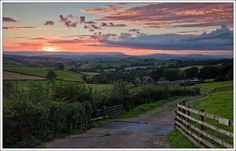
(130, 28)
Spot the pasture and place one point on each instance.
(219, 102)
(42, 72)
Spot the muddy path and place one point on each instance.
(145, 131)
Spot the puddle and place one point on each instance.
(156, 129)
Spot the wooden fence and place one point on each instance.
(109, 112)
(192, 124)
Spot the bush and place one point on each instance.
(44, 110)
(147, 94)
(70, 92)
(24, 120)
(123, 93)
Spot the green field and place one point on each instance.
(100, 87)
(42, 72)
(198, 66)
(219, 102)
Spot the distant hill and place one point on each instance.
(180, 56)
(104, 55)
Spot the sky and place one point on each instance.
(129, 28)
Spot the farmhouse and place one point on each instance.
(146, 80)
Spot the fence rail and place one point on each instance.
(195, 128)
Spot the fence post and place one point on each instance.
(183, 103)
(202, 119)
(104, 111)
(183, 110)
(200, 125)
(188, 113)
(176, 114)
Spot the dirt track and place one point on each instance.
(146, 131)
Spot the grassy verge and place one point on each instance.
(176, 140)
(146, 107)
(219, 101)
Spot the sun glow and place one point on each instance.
(50, 48)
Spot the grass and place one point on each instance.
(219, 102)
(146, 107)
(42, 72)
(220, 99)
(176, 140)
(100, 87)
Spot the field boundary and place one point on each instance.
(194, 129)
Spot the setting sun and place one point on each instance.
(50, 48)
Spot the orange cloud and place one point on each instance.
(108, 8)
(17, 27)
(38, 38)
(176, 15)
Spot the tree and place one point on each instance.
(225, 73)
(191, 72)
(172, 74)
(51, 75)
(208, 72)
(61, 66)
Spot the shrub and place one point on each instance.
(124, 94)
(44, 110)
(51, 75)
(24, 120)
(70, 91)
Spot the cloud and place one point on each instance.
(64, 41)
(90, 22)
(95, 27)
(17, 27)
(8, 20)
(38, 38)
(111, 24)
(74, 42)
(48, 23)
(134, 30)
(69, 20)
(82, 19)
(219, 39)
(176, 15)
(21, 37)
(108, 8)
(26, 44)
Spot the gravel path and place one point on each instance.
(145, 131)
